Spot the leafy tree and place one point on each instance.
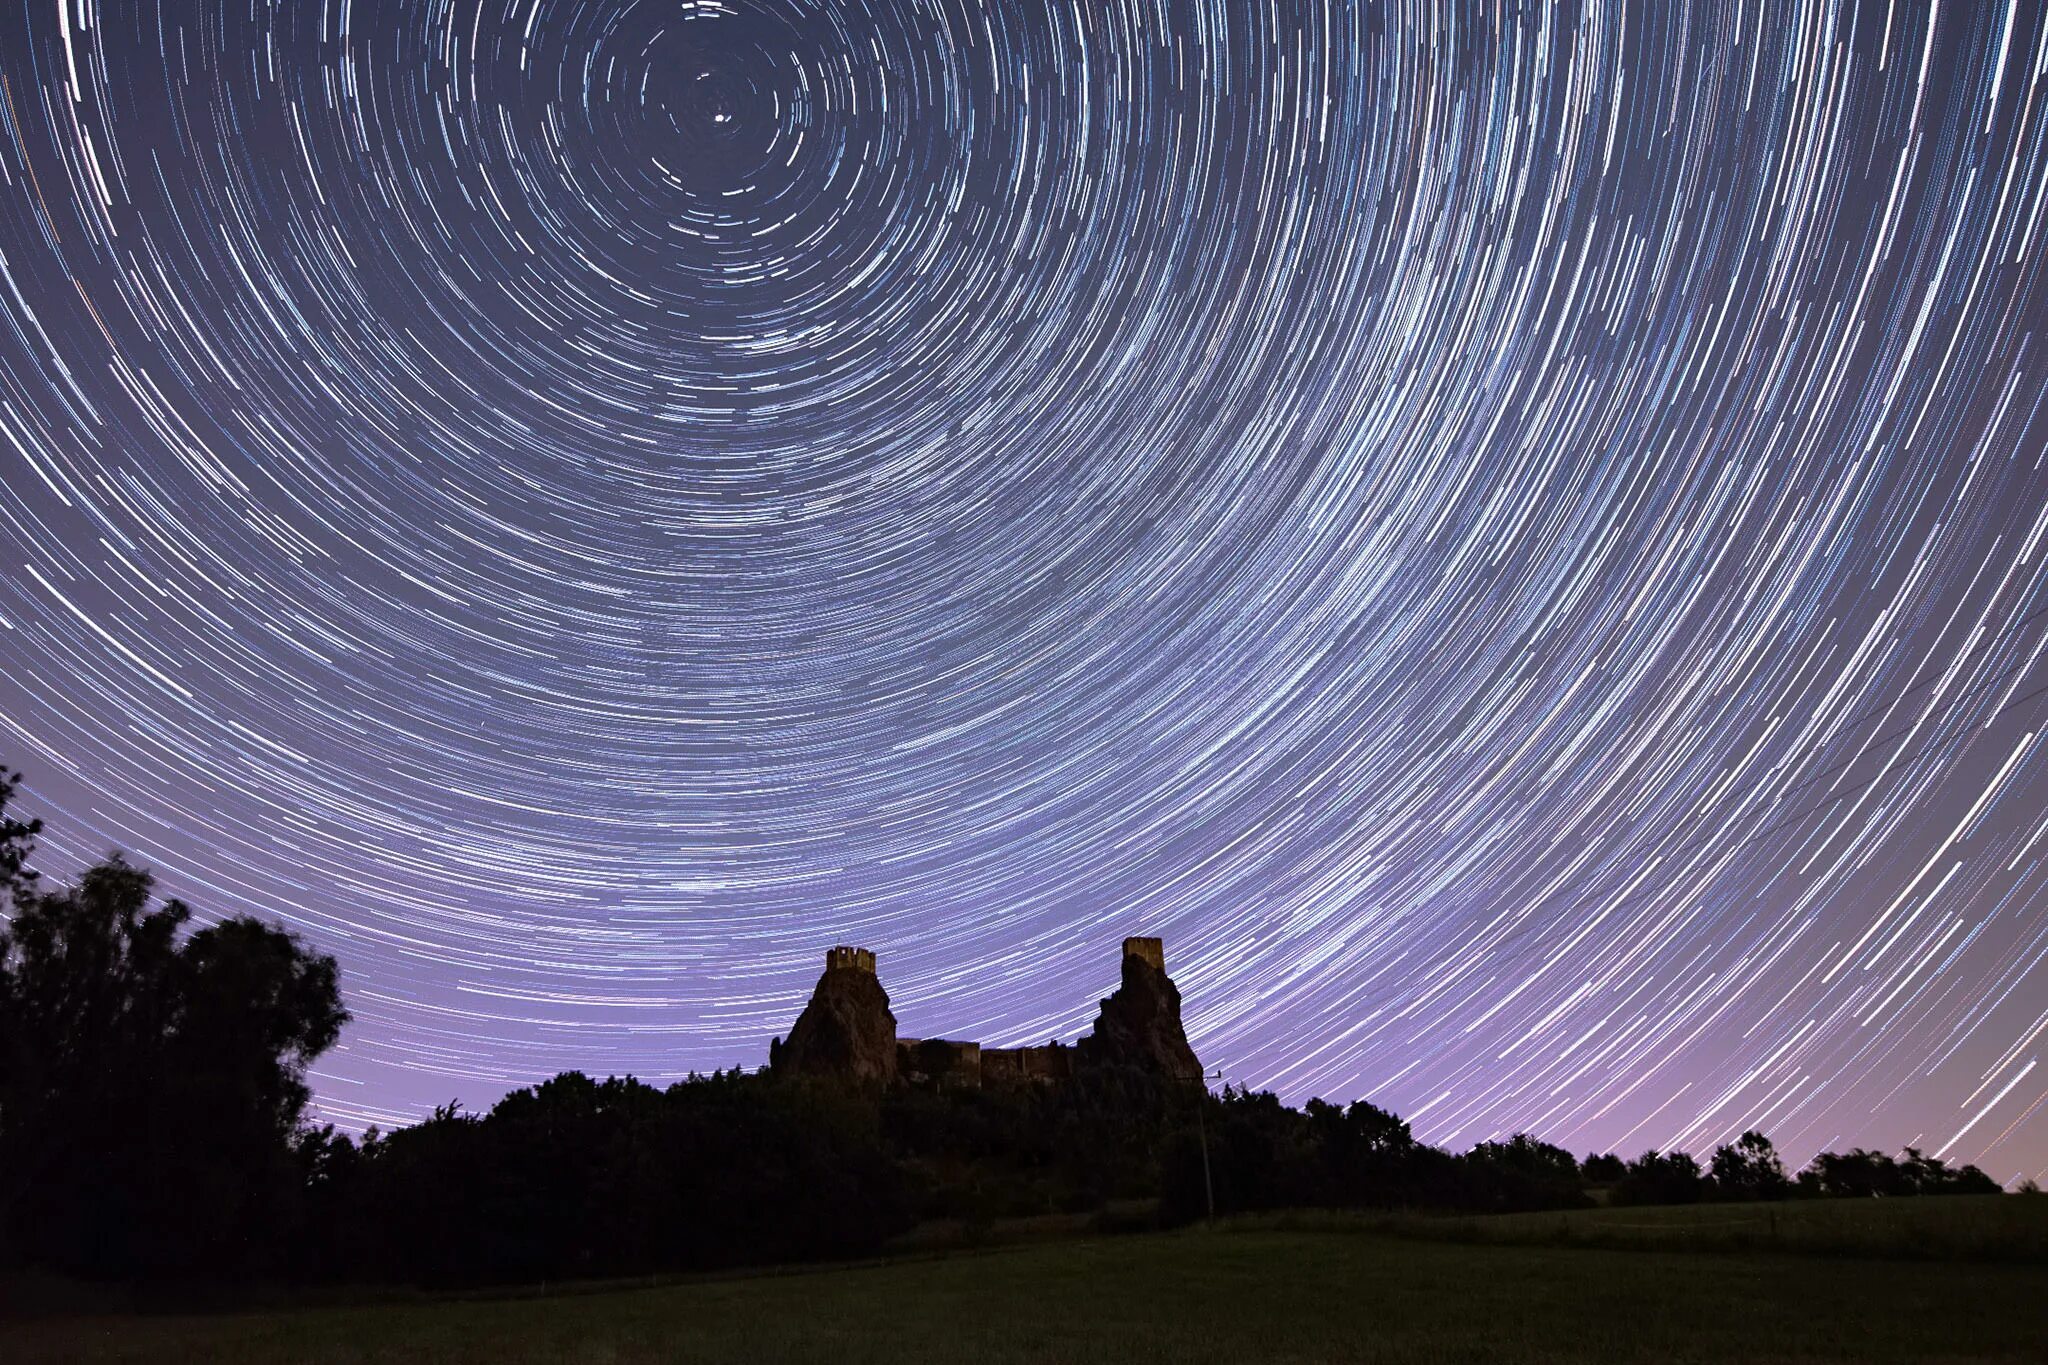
(1863, 1174)
(1971, 1180)
(1522, 1173)
(1368, 1155)
(1603, 1169)
(1261, 1155)
(150, 1088)
(86, 1002)
(1661, 1178)
(1931, 1175)
(1749, 1168)
(17, 842)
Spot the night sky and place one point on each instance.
(1515, 536)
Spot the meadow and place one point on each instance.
(1333, 1291)
(1969, 1228)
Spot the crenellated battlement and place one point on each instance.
(1150, 950)
(845, 959)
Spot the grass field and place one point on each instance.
(1244, 1294)
(1973, 1227)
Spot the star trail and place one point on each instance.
(1513, 535)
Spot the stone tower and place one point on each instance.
(843, 959)
(1148, 950)
(846, 1030)
(1140, 1022)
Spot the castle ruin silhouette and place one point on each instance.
(847, 1031)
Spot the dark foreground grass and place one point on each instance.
(1991, 1227)
(1231, 1296)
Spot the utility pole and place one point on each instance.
(1202, 1128)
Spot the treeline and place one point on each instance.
(1264, 1155)
(152, 1125)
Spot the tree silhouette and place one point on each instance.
(1749, 1168)
(150, 1089)
(1603, 1169)
(1863, 1174)
(1661, 1178)
(1522, 1173)
(17, 841)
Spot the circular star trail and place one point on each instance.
(1512, 536)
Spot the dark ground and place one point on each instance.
(1270, 1294)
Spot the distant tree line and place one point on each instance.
(1265, 1155)
(153, 1125)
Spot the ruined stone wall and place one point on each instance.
(939, 1061)
(1026, 1065)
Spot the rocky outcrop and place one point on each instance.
(1140, 1023)
(846, 1030)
